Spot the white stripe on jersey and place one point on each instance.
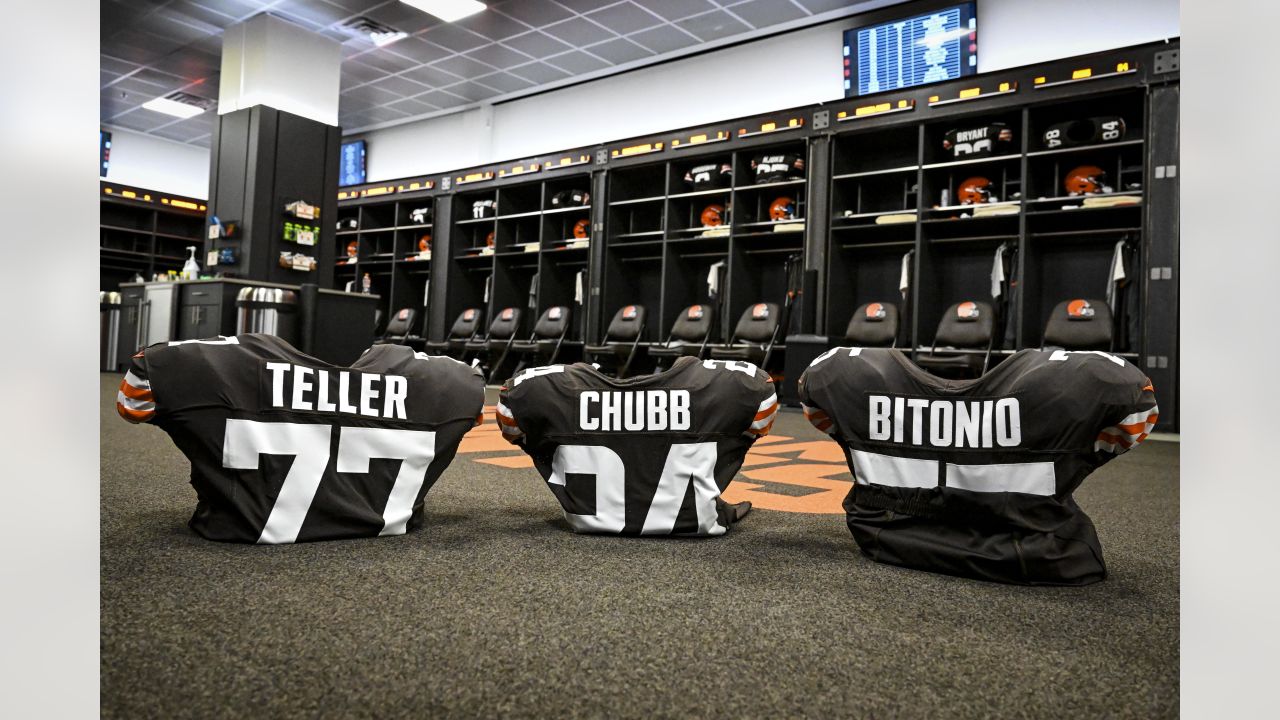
(507, 422)
(136, 381)
(135, 405)
(1130, 431)
(1033, 478)
(770, 405)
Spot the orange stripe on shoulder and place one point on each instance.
(135, 393)
(766, 412)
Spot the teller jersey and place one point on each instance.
(647, 455)
(287, 448)
(975, 477)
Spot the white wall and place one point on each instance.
(154, 163)
(797, 68)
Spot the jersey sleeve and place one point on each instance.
(1129, 423)
(766, 410)
(812, 396)
(135, 401)
(506, 419)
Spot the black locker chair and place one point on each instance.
(1079, 325)
(400, 328)
(689, 334)
(548, 335)
(966, 325)
(873, 325)
(753, 337)
(621, 339)
(464, 328)
(502, 331)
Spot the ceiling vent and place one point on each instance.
(372, 30)
(192, 100)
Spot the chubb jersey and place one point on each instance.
(974, 477)
(648, 455)
(287, 448)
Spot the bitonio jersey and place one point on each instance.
(976, 477)
(287, 448)
(647, 455)
(778, 167)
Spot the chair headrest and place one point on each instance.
(466, 324)
(693, 324)
(553, 322)
(873, 325)
(966, 324)
(1079, 324)
(626, 323)
(506, 324)
(757, 323)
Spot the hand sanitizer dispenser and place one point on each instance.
(191, 268)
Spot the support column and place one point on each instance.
(276, 142)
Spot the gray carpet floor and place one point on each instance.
(495, 609)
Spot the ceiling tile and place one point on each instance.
(163, 79)
(535, 12)
(142, 120)
(176, 132)
(536, 44)
(239, 9)
(360, 73)
(713, 26)
(119, 67)
(455, 38)
(141, 47)
(412, 107)
(663, 38)
(539, 72)
(431, 77)
(625, 18)
(200, 13)
(578, 32)
(318, 13)
(471, 91)
(356, 119)
(762, 13)
(498, 56)
(356, 6)
(463, 67)
(420, 50)
(387, 59)
(105, 78)
(676, 9)
(180, 32)
(492, 25)
(442, 99)
(577, 63)
(504, 82)
(138, 90)
(399, 85)
(583, 7)
(386, 114)
(619, 51)
(370, 95)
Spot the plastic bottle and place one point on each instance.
(366, 284)
(191, 268)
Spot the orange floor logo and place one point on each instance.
(779, 473)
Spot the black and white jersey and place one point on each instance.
(980, 141)
(647, 455)
(287, 448)
(777, 167)
(709, 175)
(975, 477)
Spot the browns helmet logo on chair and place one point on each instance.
(760, 311)
(694, 313)
(629, 312)
(967, 311)
(1079, 310)
(875, 311)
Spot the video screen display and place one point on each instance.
(104, 152)
(351, 170)
(926, 48)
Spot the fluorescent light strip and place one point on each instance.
(173, 107)
(447, 10)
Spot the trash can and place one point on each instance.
(109, 305)
(271, 311)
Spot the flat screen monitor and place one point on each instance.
(104, 151)
(929, 47)
(351, 158)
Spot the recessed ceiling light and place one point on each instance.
(179, 104)
(447, 10)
